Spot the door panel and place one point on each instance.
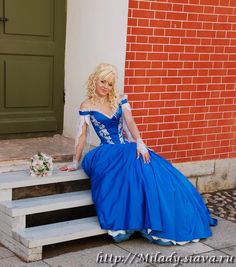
(32, 44)
(31, 77)
(36, 19)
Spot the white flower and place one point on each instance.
(41, 165)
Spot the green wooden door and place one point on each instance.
(32, 42)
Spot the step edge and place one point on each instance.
(32, 182)
(68, 237)
(84, 200)
(73, 204)
(22, 237)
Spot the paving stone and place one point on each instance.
(223, 235)
(16, 262)
(221, 203)
(230, 251)
(88, 257)
(144, 247)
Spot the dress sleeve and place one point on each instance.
(125, 105)
(83, 117)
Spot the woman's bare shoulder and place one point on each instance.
(121, 97)
(85, 105)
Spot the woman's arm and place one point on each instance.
(79, 147)
(131, 124)
(81, 143)
(141, 148)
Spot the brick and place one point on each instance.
(160, 6)
(172, 73)
(160, 23)
(224, 10)
(173, 56)
(132, 22)
(209, 2)
(159, 39)
(170, 96)
(183, 103)
(190, 41)
(170, 80)
(143, 22)
(193, 9)
(144, 5)
(176, 16)
(133, 4)
(173, 48)
(192, 25)
(158, 56)
(142, 31)
(172, 65)
(155, 80)
(141, 56)
(154, 112)
(208, 26)
(143, 13)
(187, 72)
(207, 17)
(139, 72)
(139, 88)
(140, 112)
(169, 111)
(156, 72)
(158, 48)
(140, 64)
(131, 39)
(138, 80)
(174, 32)
(170, 103)
(205, 33)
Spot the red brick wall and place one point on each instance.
(180, 76)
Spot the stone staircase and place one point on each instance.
(27, 240)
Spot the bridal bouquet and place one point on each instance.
(41, 165)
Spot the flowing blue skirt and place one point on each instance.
(131, 195)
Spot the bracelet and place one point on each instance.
(74, 165)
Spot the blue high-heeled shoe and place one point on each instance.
(123, 237)
(155, 241)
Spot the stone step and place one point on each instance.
(23, 163)
(58, 232)
(18, 179)
(46, 203)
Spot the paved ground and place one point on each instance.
(222, 203)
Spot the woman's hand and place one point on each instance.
(72, 167)
(142, 149)
(145, 155)
(68, 168)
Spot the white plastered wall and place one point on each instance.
(96, 32)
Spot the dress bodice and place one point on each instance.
(108, 128)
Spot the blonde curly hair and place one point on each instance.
(108, 72)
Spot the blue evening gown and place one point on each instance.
(131, 195)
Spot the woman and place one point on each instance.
(133, 188)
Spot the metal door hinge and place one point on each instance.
(3, 19)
